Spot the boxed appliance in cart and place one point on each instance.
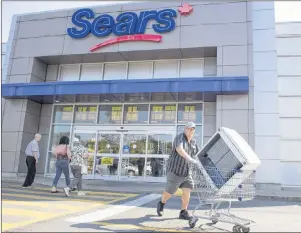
(227, 161)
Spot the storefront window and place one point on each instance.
(134, 144)
(115, 71)
(85, 114)
(163, 114)
(106, 166)
(59, 131)
(63, 114)
(197, 134)
(166, 69)
(110, 114)
(159, 144)
(191, 68)
(69, 73)
(135, 114)
(108, 143)
(190, 112)
(51, 163)
(161, 96)
(156, 167)
(91, 72)
(133, 167)
(140, 70)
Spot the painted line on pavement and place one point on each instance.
(4, 186)
(56, 205)
(31, 213)
(113, 210)
(42, 217)
(50, 198)
(72, 195)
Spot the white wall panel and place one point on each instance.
(290, 128)
(290, 107)
(289, 86)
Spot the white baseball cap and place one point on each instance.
(190, 124)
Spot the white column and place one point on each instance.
(266, 113)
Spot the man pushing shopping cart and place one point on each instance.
(223, 171)
(179, 174)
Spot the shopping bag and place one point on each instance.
(84, 170)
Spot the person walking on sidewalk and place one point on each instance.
(63, 156)
(179, 174)
(32, 156)
(77, 164)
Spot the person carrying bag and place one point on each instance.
(78, 166)
(63, 156)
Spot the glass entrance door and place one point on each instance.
(130, 155)
(108, 155)
(133, 156)
(144, 155)
(158, 151)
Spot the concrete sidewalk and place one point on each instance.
(143, 188)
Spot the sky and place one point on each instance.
(10, 8)
(284, 10)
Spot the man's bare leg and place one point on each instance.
(185, 198)
(185, 201)
(165, 197)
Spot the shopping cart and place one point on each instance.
(225, 172)
(214, 194)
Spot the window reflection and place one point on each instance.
(51, 163)
(135, 114)
(159, 144)
(106, 166)
(59, 131)
(85, 114)
(134, 144)
(108, 143)
(110, 114)
(157, 167)
(63, 114)
(190, 112)
(133, 167)
(163, 113)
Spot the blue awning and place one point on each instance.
(213, 85)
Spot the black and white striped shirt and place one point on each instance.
(176, 163)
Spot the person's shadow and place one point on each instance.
(148, 223)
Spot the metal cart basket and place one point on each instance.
(225, 172)
(210, 194)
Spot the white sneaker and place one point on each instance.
(67, 190)
(81, 193)
(53, 190)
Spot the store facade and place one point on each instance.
(124, 79)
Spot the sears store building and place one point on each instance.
(125, 79)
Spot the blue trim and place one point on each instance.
(217, 85)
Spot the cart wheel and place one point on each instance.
(214, 221)
(237, 229)
(246, 229)
(192, 222)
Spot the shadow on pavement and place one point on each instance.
(147, 223)
(175, 203)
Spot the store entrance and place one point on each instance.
(126, 153)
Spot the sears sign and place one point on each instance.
(127, 26)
